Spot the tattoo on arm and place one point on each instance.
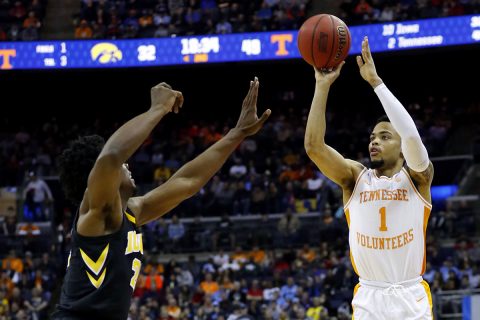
(423, 177)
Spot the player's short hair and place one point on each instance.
(75, 164)
(383, 118)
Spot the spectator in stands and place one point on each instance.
(30, 34)
(220, 258)
(161, 233)
(197, 235)
(447, 269)
(8, 227)
(258, 200)
(18, 12)
(475, 277)
(176, 231)
(223, 234)
(289, 291)
(239, 169)
(4, 305)
(229, 265)
(288, 227)
(241, 199)
(12, 264)
(153, 284)
(29, 233)
(184, 277)
(37, 305)
(255, 292)
(31, 21)
(3, 34)
(37, 196)
(273, 196)
(307, 255)
(173, 310)
(83, 31)
(209, 286)
(28, 230)
(329, 227)
(37, 8)
(262, 239)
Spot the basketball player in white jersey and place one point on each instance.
(386, 206)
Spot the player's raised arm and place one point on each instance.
(332, 164)
(190, 178)
(414, 152)
(102, 194)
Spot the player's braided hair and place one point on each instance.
(75, 164)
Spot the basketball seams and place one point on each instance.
(314, 34)
(316, 37)
(333, 42)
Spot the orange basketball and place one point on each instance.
(324, 41)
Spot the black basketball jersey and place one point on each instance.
(101, 274)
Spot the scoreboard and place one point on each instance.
(228, 48)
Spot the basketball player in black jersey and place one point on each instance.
(105, 258)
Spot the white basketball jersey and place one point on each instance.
(387, 218)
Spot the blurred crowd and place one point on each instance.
(161, 18)
(298, 267)
(268, 173)
(310, 282)
(379, 11)
(21, 19)
(282, 277)
(124, 19)
(26, 285)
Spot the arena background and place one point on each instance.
(104, 98)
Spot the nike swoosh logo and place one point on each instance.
(420, 299)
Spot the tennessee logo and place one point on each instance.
(95, 267)
(6, 56)
(105, 52)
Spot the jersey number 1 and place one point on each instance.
(383, 219)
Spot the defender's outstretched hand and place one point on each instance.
(328, 75)
(248, 122)
(367, 66)
(164, 98)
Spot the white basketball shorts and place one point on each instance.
(406, 300)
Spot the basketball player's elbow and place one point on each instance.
(314, 148)
(109, 158)
(188, 186)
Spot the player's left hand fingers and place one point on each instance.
(164, 84)
(360, 61)
(178, 101)
(366, 53)
(248, 97)
(264, 117)
(369, 52)
(256, 84)
(364, 50)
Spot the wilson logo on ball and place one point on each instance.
(342, 36)
(324, 41)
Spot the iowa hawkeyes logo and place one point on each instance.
(105, 52)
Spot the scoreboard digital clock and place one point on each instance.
(228, 48)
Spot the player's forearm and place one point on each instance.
(128, 138)
(397, 114)
(204, 166)
(316, 123)
(413, 149)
